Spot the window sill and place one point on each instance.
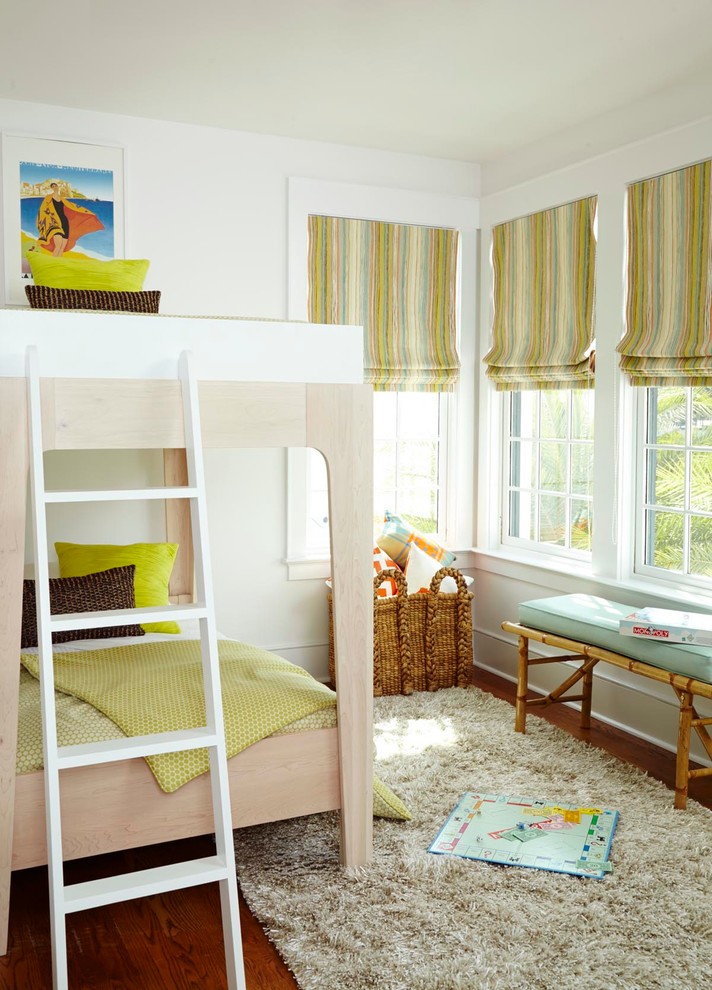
(568, 576)
(556, 572)
(315, 568)
(308, 568)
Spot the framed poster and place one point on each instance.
(59, 197)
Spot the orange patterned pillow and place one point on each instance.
(381, 561)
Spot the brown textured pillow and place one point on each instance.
(108, 300)
(113, 588)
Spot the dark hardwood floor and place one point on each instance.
(174, 942)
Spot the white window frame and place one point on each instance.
(672, 579)
(520, 543)
(609, 563)
(520, 573)
(446, 402)
(390, 205)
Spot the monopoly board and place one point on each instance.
(525, 831)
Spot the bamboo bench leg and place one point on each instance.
(586, 700)
(520, 718)
(682, 766)
(686, 689)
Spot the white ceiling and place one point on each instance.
(474, 80)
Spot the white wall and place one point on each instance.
(208, 207)
(502, 581)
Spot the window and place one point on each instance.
(550, 476)
(666, 355)
(317, 506)
(410, 465)
(409, 458)
(677, 483)
(542, 337)
(427, 475)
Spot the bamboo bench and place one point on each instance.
(588, 627)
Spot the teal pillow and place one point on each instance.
(589, 619)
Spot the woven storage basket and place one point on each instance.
(421, 642)
(107, 300)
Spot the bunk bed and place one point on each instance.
(109, 382)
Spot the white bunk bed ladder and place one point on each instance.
(65, 899)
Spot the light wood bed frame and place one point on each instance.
(279, 777)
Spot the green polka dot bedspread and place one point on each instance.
(263, 694)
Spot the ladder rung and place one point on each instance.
(120, 494)
(113, 750)
(122, 616)
(143, 883)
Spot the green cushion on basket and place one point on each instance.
(592, 620)
(81, 272)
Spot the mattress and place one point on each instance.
(79, 722)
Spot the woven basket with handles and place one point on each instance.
(107, 300)
(421, 642)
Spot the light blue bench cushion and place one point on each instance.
(592, 620)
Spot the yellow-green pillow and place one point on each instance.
(386, 804)
(81, 272)
(154, 563)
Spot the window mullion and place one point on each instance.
(687, 501)
(398, 458)
(536, 527)
(541, 442)
(568, 513)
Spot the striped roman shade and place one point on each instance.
(399, 282)
(667, 339)
(544, 269)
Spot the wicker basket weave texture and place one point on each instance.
(421, 642)
(107, 300)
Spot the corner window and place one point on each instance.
(549, 490)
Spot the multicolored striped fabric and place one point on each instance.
(667, 339)
(399, 282)
(544, 286)
(398, 535)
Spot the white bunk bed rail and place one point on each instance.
(80, 344)
(108, 380)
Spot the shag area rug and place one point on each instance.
(416, 921)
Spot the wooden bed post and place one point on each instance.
(13, 494)
(344, 436)
(178, 526)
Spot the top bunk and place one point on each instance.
(92, 344)
(110, 380)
